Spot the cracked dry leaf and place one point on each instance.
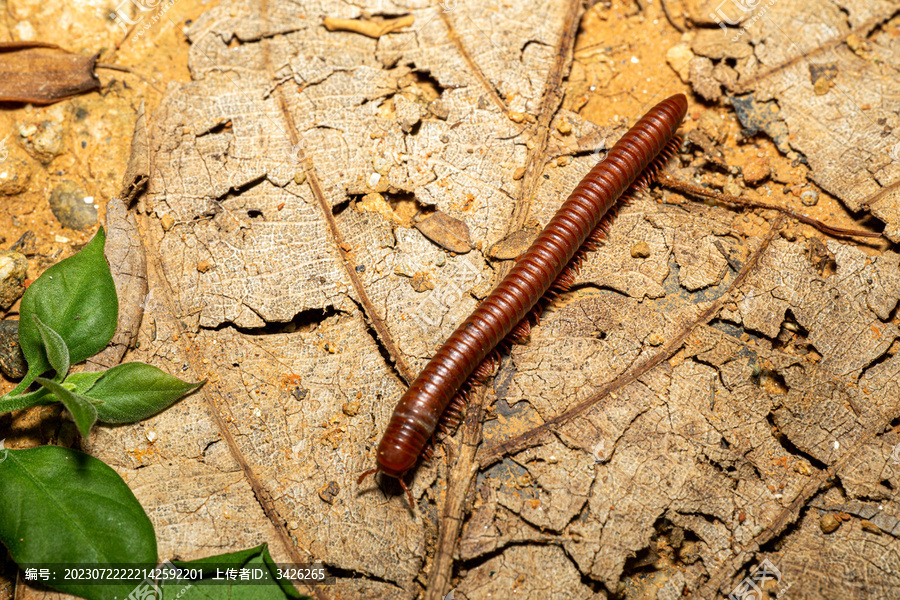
(832, 71)
(292, 164)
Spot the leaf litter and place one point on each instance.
(696, 452)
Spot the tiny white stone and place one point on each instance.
(151, 436)
(4, 175)
(88, 199)
(374, 178)
(836, 444)
(60, 239)
(634, 60)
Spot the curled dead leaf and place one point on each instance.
(446, 231)
(513, 245)
(43, 73)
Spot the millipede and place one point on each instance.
(437, 396)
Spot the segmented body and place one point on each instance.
(419, 410)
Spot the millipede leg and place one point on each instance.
(486, 368)
(519, 333)
(364, 475)
(409, 496)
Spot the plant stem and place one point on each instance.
(10, 402)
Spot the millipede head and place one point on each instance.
(409, 496)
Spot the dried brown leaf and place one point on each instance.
(835, 87)
(446, 231)
(43, 73)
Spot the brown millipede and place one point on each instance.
(583, 217)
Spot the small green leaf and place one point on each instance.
(83, 410)
(251, 558)
(135, 391)
(55, 348)
(82, 382)
(62, 506)
(77, 299)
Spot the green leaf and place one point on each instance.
(136, 391)
(251, 558)
(77, 299)
(82, 382)
(55, 348)
(83, 410)
(285, 584)
(62, 506)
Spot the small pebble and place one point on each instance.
(756, 171)
(13, 267)
(809, 198)
(640, 250)
(203, 266)
(711, 125)
(69, 208)
(421, 282)
(382, 165)
(519, 173)
(329, 492)
(829, 523)
(43, 140)
(12, 361)
(732, 189)
(870, 527)
(564, 127)
(15, 173)
(351, 409)
(167, 222)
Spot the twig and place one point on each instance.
(127, 70)
(675, 24)
(463, 471)
(689, 188)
